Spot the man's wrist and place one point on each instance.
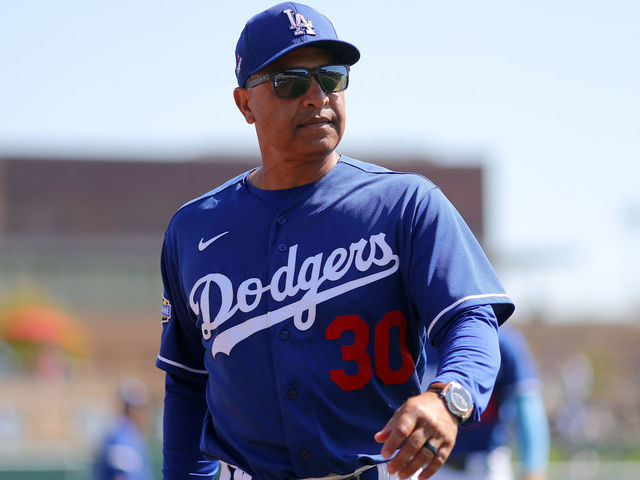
(456, 398)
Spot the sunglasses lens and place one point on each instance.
(291, 84)
(334, 78)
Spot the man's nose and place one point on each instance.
(316, 96)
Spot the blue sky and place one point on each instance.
(544, 93)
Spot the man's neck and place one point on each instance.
(282, 175)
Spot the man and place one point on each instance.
(299, 296)
(124, 454)
(483, 450)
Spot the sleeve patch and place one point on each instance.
(166, 310)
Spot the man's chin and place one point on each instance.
(321, 148)
(325, 136)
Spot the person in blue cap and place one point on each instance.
(299, 296)
(514, 417)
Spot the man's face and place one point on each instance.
(308, 127)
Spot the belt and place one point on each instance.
(354, 476)
(357, 475)
(367, 472)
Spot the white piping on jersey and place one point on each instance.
(207, 474)
(458, 302)
(179, 365)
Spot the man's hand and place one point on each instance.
(420, 419)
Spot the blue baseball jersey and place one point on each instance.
(308, 310)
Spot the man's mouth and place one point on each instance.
(316, 122)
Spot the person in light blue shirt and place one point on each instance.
(482, 451)
(124, 454)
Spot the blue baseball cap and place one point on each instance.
(282, 28)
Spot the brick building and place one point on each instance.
(57, 197)
(89, 232)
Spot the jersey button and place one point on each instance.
(282, 247)
(292, 394)
(282, 219)
(284, 334)
(305, 454)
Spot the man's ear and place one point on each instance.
(241, 96)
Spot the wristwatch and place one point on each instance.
(456, 398)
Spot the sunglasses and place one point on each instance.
(293, 82)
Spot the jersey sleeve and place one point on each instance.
(469, 354)
(181, 350)
(450, 271)
(185, 408)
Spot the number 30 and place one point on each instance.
(357, 351)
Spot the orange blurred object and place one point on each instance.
(44, 325)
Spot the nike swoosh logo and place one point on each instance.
(202, 245)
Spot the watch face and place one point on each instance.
(459, 399)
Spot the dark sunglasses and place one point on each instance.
(293, 82)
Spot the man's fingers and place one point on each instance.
(393, 443)
(419, 419)
(382, 435)
(395, 433)
(410, 454)
(418, 461)
(435, 462)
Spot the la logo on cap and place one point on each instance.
(299, 24)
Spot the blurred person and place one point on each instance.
(124, 454)
(515, 415)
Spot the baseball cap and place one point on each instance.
(132, 391)
(282, 28)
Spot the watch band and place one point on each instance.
(436, 387)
